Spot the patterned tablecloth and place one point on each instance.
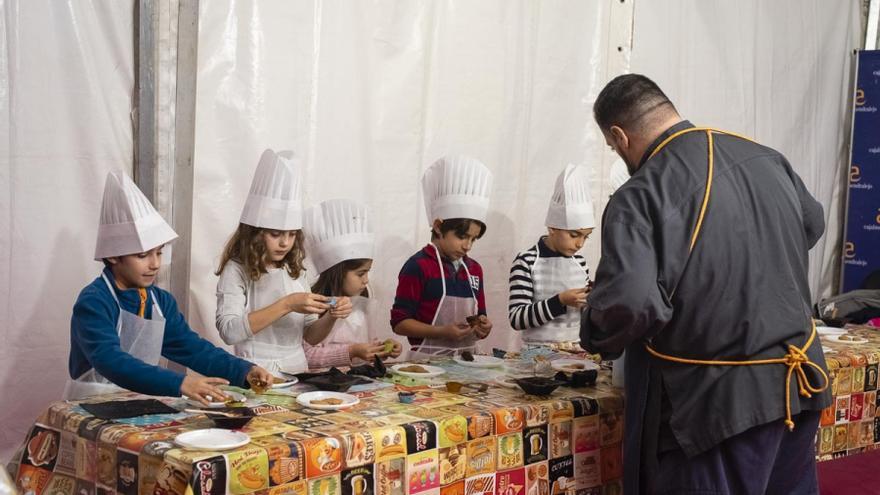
(499, 441)
(852, 423)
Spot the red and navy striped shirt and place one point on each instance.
(419, 287)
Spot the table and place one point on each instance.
(851, 424)
(499, 441)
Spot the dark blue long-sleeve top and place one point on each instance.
(94, 342)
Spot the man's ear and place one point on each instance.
(436, 227)
(621, 140)
(113, 261)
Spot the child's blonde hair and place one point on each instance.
(247, 248)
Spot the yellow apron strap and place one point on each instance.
(796, 357)
(795, 360)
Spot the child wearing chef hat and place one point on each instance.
(548, 281)
(340, 242)
(264, 306)
(440, 305)
(122, 324)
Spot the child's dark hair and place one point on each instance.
(460, 226)
(330, 282)
(247, 248)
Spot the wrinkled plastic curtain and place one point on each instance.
(779, 72)
(66, 79)
(370, 93)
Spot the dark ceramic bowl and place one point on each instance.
(538, 385)
(334, 383)
(242, 417)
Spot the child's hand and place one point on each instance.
(483, 327)
(457, 331)
(259, 378)
(307, 303)
(390, 348)
(365, 351)
(204, 389)
(342, 308)
(396, 349)
(576, 298)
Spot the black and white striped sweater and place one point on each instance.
(523, 311)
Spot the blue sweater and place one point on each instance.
(95, 343)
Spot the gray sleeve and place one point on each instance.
(811, 211)
(627, 303)
(309, 318)
(232, 315)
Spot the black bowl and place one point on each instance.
(538, 385)
(242, 417)
(334, 383)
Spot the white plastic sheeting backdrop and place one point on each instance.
(778, 72)
(66, 78)
(370, 97)
(370, 93)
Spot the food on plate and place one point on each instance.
(467, 356)
(574, 366)
(329, 401)
(276, 380)
(413, 368)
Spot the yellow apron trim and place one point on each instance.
(796, 358)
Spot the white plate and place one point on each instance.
(291, 381)
(212, 439)
(830, 331)
(826, 349)
(561, 365)
(480, 362)
(235, 396)
(307, 398)
(836, 340)
(432, 370)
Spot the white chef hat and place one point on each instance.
(618, 175)
(275, 199)
(129, 224)
(570, 206)
(337, 230)
(457, 187)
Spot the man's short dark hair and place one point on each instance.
(627, 100)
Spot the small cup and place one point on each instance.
(453, 387)
(406, 397)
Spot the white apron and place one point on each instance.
(139, 337)
(450, 310)
(550, 276)
(355, 328)
(279, 346)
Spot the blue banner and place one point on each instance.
(861, 248)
